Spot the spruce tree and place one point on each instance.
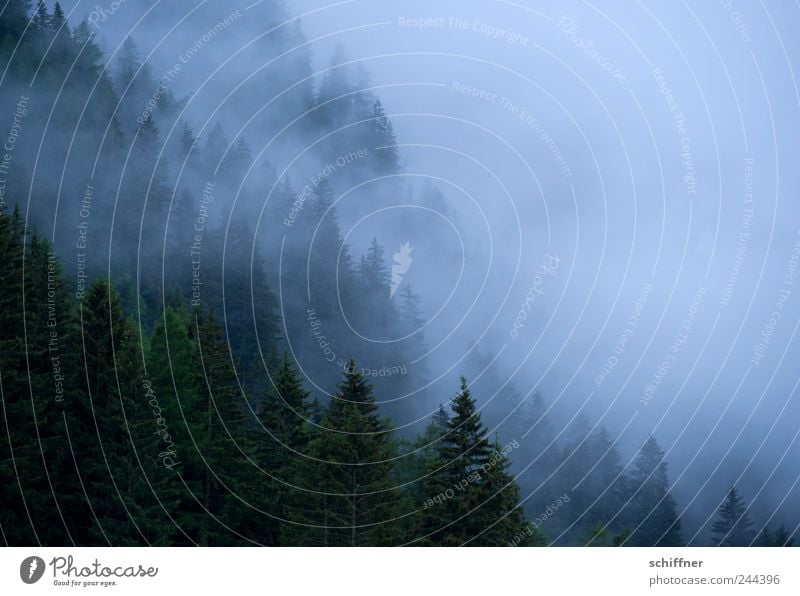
(653, 510)
(281, 448)
(386, 157)
(732, 526)
(14, 19)
(505, 518)
(356, 504)
(782, 537)
(471, 499)
(105, 379)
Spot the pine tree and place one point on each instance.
(135, 84)
(334, 97)
(63, 49)
(386, 156)
(106, 388)
(373, 271)
(606, 484)
(14, 19)
(356, 503)
(252, 326)
(538, 456)
(376, 310)
(143, 211)
(782, 537)
(214, 149)
(732, 526)
(418, 457)
(218, 426)
(186, 147)
(505, 517)
(32, 321)
(471, 499)
(654, 514)
(280, 445)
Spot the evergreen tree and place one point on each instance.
(376, 310)
(13, 20)
(471, 499)
(334, 98)
(356, 504)
(106, 388)
(386, 156)
(282, 453)
(505, 516)
(732, 526)
(538, 456)
(654, 514)
(32, 321)
(782, 537)
(135, 84)
(219, 434)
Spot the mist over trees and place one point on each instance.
(182, 324)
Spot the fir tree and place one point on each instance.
(732, 526)
(654, 514)
(356, 503)
(386, 156)
(467, 474)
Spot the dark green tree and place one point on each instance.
(732, 526)
(654, 515)
(471, 499)
(356, 503)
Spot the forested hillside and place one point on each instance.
(167, 292)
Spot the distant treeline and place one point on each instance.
(114, 436)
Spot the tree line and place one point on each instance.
(119, 437)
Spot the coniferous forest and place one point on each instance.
(195, 350)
